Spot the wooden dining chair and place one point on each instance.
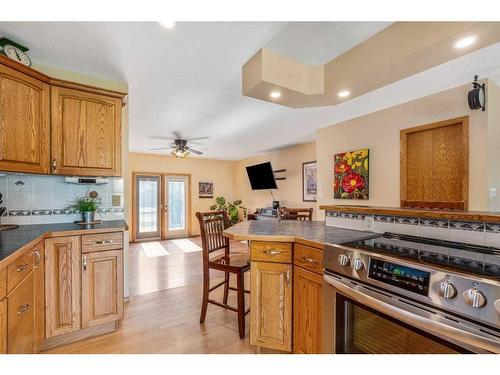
(216, 255)
(303, 214)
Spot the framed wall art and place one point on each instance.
(351, 175)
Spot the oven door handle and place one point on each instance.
(484, 344)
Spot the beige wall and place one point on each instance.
(289, 191)
(379, 132)
(493, 107)
(220, 172)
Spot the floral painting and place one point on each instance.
(351, 175)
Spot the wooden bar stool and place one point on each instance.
(301, 214)
(212, 224)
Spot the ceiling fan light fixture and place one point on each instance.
(180, 153)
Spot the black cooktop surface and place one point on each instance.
(479, 260)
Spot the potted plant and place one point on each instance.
(232, 209)
(87, 205)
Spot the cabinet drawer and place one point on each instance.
(309, 258)
(3, 282)
(18, 269)
(20, 320)
(102, 242)
(279, 252)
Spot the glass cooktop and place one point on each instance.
(480, 260)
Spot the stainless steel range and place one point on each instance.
(405, 294)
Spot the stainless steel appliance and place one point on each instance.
(405, 294)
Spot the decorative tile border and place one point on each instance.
(383, 219)
(492, 228)
(467, 225)
(434, 223)
(407, 220)
(57, 211)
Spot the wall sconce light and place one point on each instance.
(477, 96)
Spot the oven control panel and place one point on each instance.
(411, 279)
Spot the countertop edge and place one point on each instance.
(4, 262)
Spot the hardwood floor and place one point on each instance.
(163, 314)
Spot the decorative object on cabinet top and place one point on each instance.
(4, 60)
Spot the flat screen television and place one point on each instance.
(261, 176)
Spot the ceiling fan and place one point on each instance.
(179, 146)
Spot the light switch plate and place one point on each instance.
(116, 200)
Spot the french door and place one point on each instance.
(176, 205)
(161, 206)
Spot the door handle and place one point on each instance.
(37, 258)
(84, 264)
(288, 277)
(22, 267)
(23, 308)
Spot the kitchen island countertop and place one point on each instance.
(313, 233)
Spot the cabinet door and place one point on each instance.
(62, 285)
(39, 294)
(3, 326)
(102, 287)
(24, 123)
(307, 306)
(20, 317)
(86, 133)
(271, 305)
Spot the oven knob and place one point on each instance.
(473, 297)
(447, 290)
(357, 264)
(344, 260)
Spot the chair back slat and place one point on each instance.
(212, 224)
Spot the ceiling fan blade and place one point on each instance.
(195, 143)
(161, 148)
(194, 151)
(161, 137)
(197, 139)
(177, 135)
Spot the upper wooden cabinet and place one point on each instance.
(24, 123)
(435, 165)
(55, 126)
(86, 133)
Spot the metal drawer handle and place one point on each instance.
(37, 258)
(271, 252)
(85, 264)
(22, 267)
(309, 260)
(104, 242)
(23, 308)
(288, 277)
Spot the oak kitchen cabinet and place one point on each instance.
(102, 287)
(86, 133)
(21, 317)
(62, 285)
(271, 295)
(24, 122)
(59, 127)
(307, 299)
(3, 326)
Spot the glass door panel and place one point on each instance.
(176, 208)
(148, 203)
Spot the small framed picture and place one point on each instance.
(205, 189)
(309, 183)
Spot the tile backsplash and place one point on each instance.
(477, 233)
(38, 199)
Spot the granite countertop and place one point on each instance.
(15, 239)
(314, 232)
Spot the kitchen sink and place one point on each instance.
(8, 226)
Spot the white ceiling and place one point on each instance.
(189, 79)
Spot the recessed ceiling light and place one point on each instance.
(275, 94)
(167, 24)
(465, 42)
(343, 93)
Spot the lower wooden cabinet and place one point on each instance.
(102, 287)
(62, 285)
(20, 322)
(3, 326)
(39, 295)
(271, 305)
(307, 307)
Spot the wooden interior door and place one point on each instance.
(62, 285)
(20, 322)
(102, 287)
(271, 305)
(3, 326)
(307, 311)
(24, 123)
(86, 133)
